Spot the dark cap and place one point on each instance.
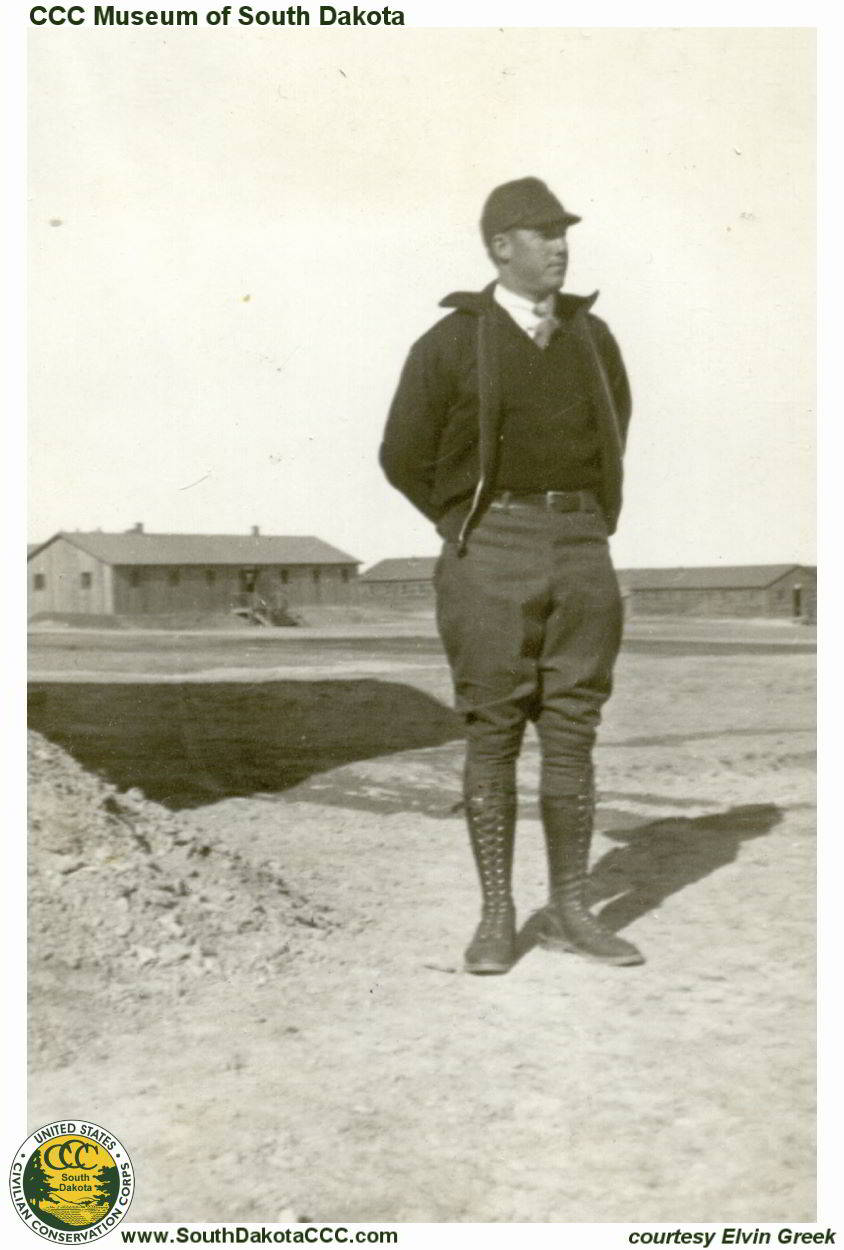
(526, 202)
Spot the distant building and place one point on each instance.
(137, 573)
(400, 580)
(772, 590)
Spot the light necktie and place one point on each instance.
(544, 330)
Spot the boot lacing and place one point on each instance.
(569, 893)
(568, 831)
(570, 873)
(490, 815)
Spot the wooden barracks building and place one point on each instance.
(399, 580)
(753, 590)
(136, 573)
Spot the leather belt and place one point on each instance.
(554, 500)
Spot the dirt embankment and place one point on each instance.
(144, 900)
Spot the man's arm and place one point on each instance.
(616, 375)
(414, 425)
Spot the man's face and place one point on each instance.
(532, 261)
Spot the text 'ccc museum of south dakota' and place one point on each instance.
(244, 15)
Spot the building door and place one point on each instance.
(135, 596)
(797, 601)
(248, 579)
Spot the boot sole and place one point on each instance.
(487, 968)
(618, 961)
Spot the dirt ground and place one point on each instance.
(253, 852)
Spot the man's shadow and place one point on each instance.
(659, 859)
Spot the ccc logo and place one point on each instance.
(68, 1155)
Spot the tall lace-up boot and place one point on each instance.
(567, 924)
(491, 817)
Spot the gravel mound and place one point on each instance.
(129, 899)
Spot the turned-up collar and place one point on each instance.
(478, 302)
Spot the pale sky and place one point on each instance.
(335, 178)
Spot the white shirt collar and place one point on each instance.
(521, 309)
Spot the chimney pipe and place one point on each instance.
(256, 530)
(138, 527)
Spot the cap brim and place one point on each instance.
(567, 219)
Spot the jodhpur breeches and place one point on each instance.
(530, 617)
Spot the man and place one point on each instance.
(507, 430)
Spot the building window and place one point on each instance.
(85, 581)
(284, 574)
(134, 577)
(174, 577)
(210, 576)
(39, 581)
(315, 574)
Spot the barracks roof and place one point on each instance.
(404, 569)
(717, 577)
(205, 549)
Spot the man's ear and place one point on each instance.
(500, 248)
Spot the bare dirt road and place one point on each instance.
(252, 853)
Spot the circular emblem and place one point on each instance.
(73, 1176)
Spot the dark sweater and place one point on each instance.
(549, 438)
